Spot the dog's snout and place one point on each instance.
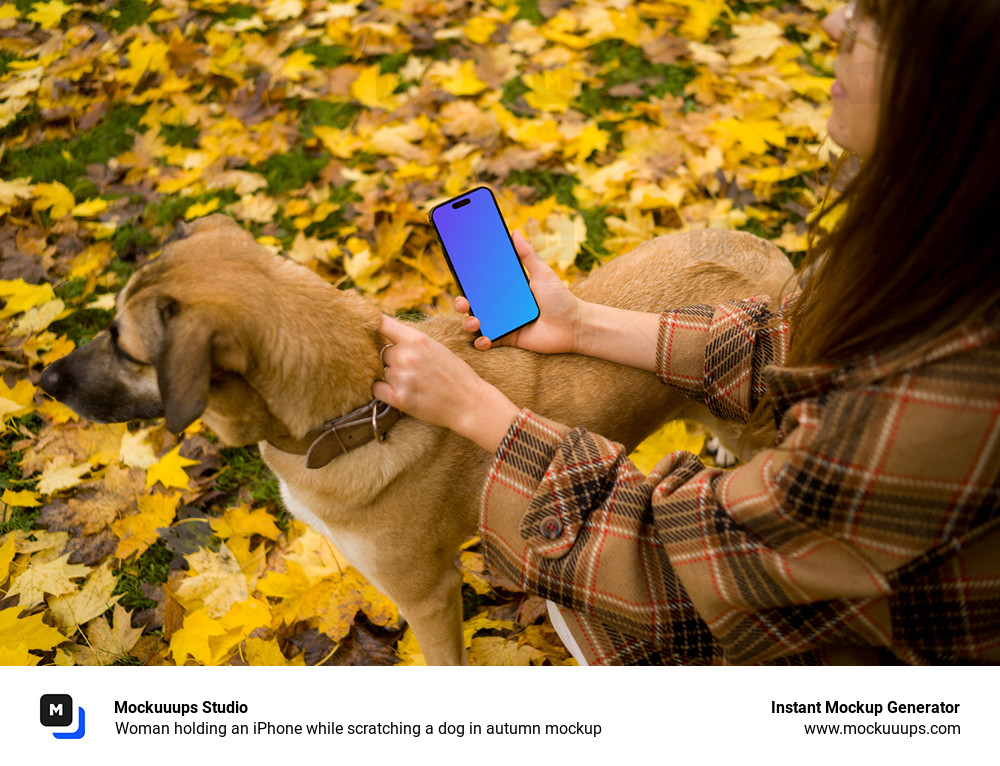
(54, 379)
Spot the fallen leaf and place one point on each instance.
(54, 578)
(108, 643)
(19, 635)
(82, 606)
(169, 470)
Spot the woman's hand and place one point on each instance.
(426, 380)
(557, 327)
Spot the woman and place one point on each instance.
(870, 531)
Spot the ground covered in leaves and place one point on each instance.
(329, 130)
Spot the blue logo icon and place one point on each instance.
(57, 710)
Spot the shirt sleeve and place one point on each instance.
(716, 355)
(872, 526)
(700, 563)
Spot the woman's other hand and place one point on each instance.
(426, 380)
(559, 311)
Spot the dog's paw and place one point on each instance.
(719, 454)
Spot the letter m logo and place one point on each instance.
(56, 710)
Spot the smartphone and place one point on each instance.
(481, 256)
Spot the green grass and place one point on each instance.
(331, 56)
(152, 567)
(10, 473)
(66, 161)
(245, 471)
(624, 64)
(131, 241)
(128, 13)
(292, 170)
(336, 114)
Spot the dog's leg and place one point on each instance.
(437, 621)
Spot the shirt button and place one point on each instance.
(550, 527)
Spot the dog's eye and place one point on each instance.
(113, 331)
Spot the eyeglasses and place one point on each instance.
(850, 35)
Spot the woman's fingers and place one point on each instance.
(395, 331)
(529, 257)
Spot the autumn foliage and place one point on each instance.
(329, 130)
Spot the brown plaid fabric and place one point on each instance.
(869, 533)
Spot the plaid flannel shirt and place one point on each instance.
(869, 533)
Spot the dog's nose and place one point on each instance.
(53, 379)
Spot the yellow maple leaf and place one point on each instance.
(753, 134)
(336, 601)
(192, 640)
(479, 30)
(755, 41)
(246, 616)
(265, 651)
(216, 584)
(137, 451)
(11, 192)
(54, 197)
(58, 347)
(552, 90)
(462, 80)
(362, 267)
(15, 401)
(497, 650)
(17, 656)
(169, 470)
(23, 499)
(54, 578)
(701, 15)
(61, 474)
(674, 436)
(57, 412)
(409, 650)
(90, 208)
(297, 64)
(19, 296)
(140, 530)
(199, 209)
(239, 521)
(49, 15)
(279, 10)
(39, 318)
(375, 90)
(83, 605)
(26, 634)
(314, 552)
(591, 139)
(7, 550)
(108, 643)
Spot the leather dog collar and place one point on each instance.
(340, 435)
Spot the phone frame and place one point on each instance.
(503, 224)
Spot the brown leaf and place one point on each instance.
(366, 645)
(91, 549)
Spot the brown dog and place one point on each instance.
(264, 350)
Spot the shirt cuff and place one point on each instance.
(680, 349)
(520, 464)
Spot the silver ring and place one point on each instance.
(382, 351)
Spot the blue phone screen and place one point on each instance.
(489, 273)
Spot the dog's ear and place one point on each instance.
(184, 366)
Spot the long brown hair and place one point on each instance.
(917, 251)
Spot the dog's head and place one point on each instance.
(180, 339)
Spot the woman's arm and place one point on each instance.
(713, 354)
(426, 380)
(568, 325)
